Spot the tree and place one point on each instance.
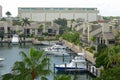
(8, 14)
(71, 27)
(109, 57)
(1, 35)
(113, 57)
(72, 37)
(62, 23)
(100, 48)
(62, 77)
(3, 19)
(25, 22)
(93, 38)
(110, 74)
(40, 28)
(32, 66)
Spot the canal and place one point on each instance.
(11, 55)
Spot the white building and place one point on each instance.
(50, 14)
(0, 11)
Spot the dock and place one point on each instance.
(89, 57)
(9, 42)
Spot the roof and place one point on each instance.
(109, 35)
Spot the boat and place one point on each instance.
(57, 50)
(76, 64)
(2, 59)
(47, 43)
(15, 39)
(60, 43)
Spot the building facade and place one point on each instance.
(0, 11)
(50, 14)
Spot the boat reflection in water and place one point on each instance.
(78, 63)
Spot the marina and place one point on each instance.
(11, 54)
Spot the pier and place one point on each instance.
(89, 57)
(21, 42)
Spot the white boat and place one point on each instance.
(78, 63)
(47, 43)
(57, 50)
(15, 39)
(2, 59)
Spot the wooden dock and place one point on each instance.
(9, 42)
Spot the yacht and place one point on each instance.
(15, 39)
(78, 63)
(57, 50)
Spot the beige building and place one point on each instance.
(50, 14)
(0, 11)
(30, 30)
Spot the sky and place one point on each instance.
(105, 7)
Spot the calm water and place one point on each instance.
(11, 55)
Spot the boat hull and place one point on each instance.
(57, 53)
(70, 69)
(2, 59)
(15, 43)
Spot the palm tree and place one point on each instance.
(8, 14)
(40, 28)
(62, 77)
(25, 22)
(113, 57)
(32, 66)
(72, 20)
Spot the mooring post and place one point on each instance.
(54, 68)
(96, 72)
(48, 64)
(63, 58)
(65, 67)
(87, 65)
(76, 67)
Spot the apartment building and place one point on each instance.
(49, 14)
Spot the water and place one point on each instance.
(11, 55)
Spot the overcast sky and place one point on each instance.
(106, 7)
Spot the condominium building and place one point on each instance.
(50, 14)
(0, 11)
